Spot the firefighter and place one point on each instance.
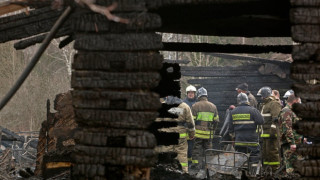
(276, 94)
(206, 117)
(191, 95)
(190, 100)
(270, 109)
(185, 128)
(243, 88)
(243, 122)
(289, 137)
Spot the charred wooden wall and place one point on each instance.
(305, 70)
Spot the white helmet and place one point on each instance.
(191, 88)
(288, 93)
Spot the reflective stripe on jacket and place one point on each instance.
(204, 114)
(243, 122)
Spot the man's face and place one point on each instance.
(297, 101)
(191, 94)
(240, 91)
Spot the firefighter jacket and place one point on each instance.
(270, 109)
(243, 121)
(186, 127)
(252, 100)
(206, 117)
(288, 135)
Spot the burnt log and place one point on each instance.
(309, 150)
(118, 42)
(308, 128)
(114, 100)
(115, 138)
(99, 23)
(114, 155)
(305, 15)
(306, 52)
(22, 26)
(118, 62)
(106, 80)
(115, 119)
(305, 108)
(225, 48)
(241, 79)
(306, 33)
(307, 92)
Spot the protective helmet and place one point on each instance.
(265, 92)
(191, 88)
(242, 98)
(288, 93)
(202, 92)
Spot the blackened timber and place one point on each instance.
(99, 23)
(38, 39)
(118, 62)
(240, 79)
(182, 61)
(248, 58)
(22, 26)
(226, 48)
(118, 42)
(221, 73)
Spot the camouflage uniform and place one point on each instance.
(270, 109)
(204, 114)
(185, 129)
(288, 136)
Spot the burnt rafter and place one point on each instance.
(248, 58)
(226, 48)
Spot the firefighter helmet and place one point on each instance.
(191, 88)
(265, 92)
(202, 92)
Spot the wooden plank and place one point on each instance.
(247, 58)
(240, 79)
(10, 8)
(99, 23)
(118, 42)
(226, 48)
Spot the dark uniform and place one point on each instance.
(288, 136)
(205, 115)
(244, 120)
(270, 109)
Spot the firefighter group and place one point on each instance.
(263, 131)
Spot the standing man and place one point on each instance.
(276, 94)
(270, 109)
(191, 95)
(289, 137)
(244, 120)
(243, 88)
(206, 118)
(185, 128)
(190, 100)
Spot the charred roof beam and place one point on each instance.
(226, 48)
